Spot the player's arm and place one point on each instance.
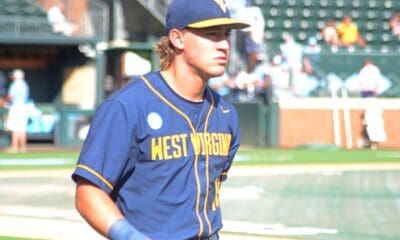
(95, 206)
(99, 210)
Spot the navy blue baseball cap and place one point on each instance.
(200, 14)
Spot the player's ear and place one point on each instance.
(176, 38)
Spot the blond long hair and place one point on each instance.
(166, 52)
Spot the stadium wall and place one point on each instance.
(311, 121)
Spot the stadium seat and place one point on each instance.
(274, 12)
(369, 37)
(374, 3)
(308, 17)
(293, 3)
(387, 14)
(288, 24)
(301, 36)
(388, 4)
(386, 27)
(277, 2)
(355, 14)
(270, 23)
(309, 3)
(358, 4)
(12, 9)
(371, 14)
(342, 4)
(261, 2)
(307, 13)
(338, 14)
(289, 12)
(323, 13)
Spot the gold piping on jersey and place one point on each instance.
(196, 159)
(105, 181)
(207, 168)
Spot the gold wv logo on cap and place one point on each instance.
(221, 4)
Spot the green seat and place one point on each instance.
(308, 17)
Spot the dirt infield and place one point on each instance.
(39, 204)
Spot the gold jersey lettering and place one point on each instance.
(217, 186)
(156, 148)
(208, 143)
(225, 143)
(203, 146)
(169, 147)
(216, 141)
(216, 144)
(176, 146)
(196, 143)
(166, 146)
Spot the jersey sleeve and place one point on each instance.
(109, 147)
(235, 143)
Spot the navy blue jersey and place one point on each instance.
(162, 158)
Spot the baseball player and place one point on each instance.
(158, 149)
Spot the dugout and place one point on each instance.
(49, 59)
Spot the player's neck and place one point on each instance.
(189, 86)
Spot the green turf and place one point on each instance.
(16, 238)
(243, 157)
(55, 154)
(315, 156)
(61, 159)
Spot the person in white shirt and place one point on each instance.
(368, 79)
(17, 120)
(58, 21)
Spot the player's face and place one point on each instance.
(207, 50)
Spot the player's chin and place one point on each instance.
(217, 70)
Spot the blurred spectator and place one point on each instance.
(292, 53)
(223, 85)
(368, 79)
(395, 24)
(374, 126)
(307, 66)
(58, 21)
(349, 33)
(245, 83)
(313, 50)
(252, 38)
(312, 46)
(280, 79)
(306, 81)
(329, 33)
(262, 81)
(236, 5)
(17, 119)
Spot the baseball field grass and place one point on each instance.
(67, 158)
(315, 156)
(16, 238)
